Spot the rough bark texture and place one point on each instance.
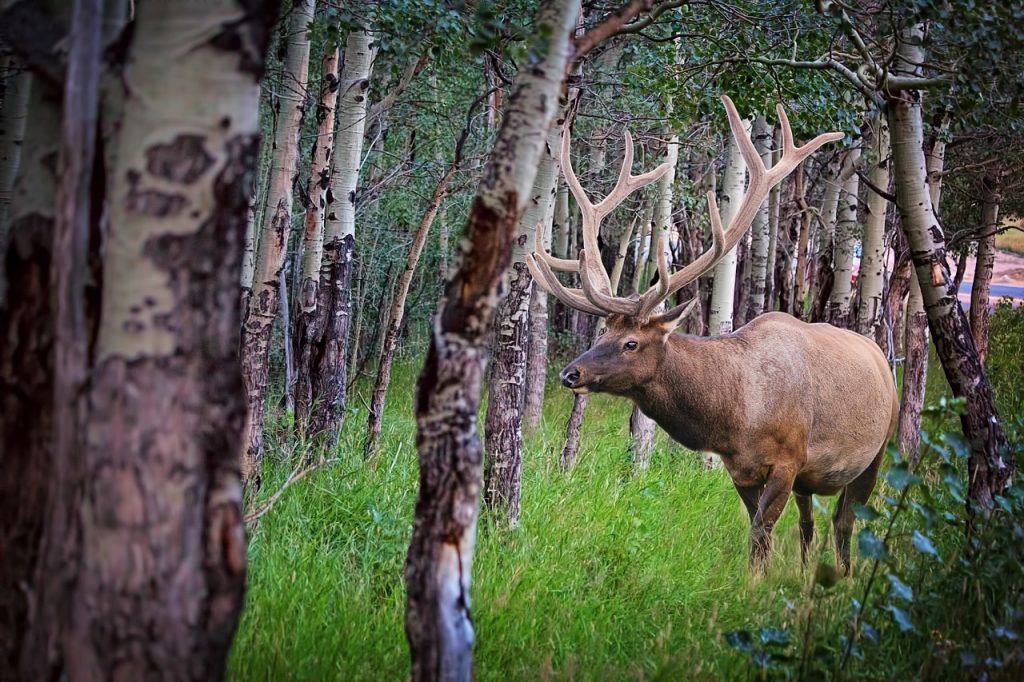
(721, 308)
(13, 117)
(871, 280)
(771, 290)
(328, 352)
(273, 244)
(983, 266)
(846, 234)
(306, 320)
(537, 347)
(503, 426)
(439, 564)
(759, 232)
(990, 468)
(160, 565)
(396, 314)
(26, 371)
(803, 242)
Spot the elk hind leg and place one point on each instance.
(858, 490)
(773, 501)
(804, 504)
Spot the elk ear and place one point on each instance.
(672, 318)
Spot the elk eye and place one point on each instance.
(629, 345)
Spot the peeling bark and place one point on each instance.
(872, 266)
(847, 231)
(759, 231)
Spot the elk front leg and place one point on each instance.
(773, 500)
(803, 503)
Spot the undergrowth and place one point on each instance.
(616, 574)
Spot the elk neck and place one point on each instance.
(697, 395)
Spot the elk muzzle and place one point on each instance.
(572, 378)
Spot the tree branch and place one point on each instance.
(641, 24)
(866, 179)
(608, 27)
(389, 100)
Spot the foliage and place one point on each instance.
(1006, 359)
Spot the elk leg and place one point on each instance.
(773, 501)
(803, 503)
(750, 495)
(859, 490)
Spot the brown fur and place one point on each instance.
(789, 406)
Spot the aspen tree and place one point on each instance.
(724, 287)
(872, 265)
(761, 134)
(439, 565)
(263, 303)
(981, 286)
(843, 242)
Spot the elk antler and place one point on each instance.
(597, 296)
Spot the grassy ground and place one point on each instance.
(1012, 240)
(611, 574)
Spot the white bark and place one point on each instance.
(872, 265)
(844, 241)
(759, 238)
(724, 287)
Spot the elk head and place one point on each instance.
(630, 352)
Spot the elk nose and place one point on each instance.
(570, 377)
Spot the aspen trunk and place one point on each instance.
(986, 260)
(439, 564)
(537, 347)
(263, 303)
(872, 265)
(797, 304)
(733, 182)
(642, 427)
(846, 232)
(759, 237)
(13, 117)
(822, 263)
(329, 353)
(771, 290)
(503, 429)
(160, 564)
(27, 323)
(307, 330)
(990, 467)
(396, 314)
(915, 366)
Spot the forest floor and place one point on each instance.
(611, 574)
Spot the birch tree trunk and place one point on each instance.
(722, 291)
(439, 564)
(980, 288)
(990, 467)
(263, 303)
(759, 237)
(872, 265)
(503, 429)
(306, 329)
(797, 303)
(642, 427)
(846, 232)
(329, 353)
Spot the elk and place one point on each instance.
(790, 407)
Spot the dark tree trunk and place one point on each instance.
(571, 448)
(503, 466)
(981, 286)
(438, 623)
(915, 378)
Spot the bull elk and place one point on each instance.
(790, 407)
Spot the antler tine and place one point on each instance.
(761, 181)
(549, 283)
(541, 254)
(746, 146)
(608, 303)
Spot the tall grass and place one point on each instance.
(611, 574)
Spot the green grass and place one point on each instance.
(610, 574)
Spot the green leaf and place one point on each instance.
(864, 512)
(899, 477)
(871, 546)
(900, 589)
(901, 618)
(775, 636)
(923, 544)
(826, 575)
(740, 640)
